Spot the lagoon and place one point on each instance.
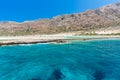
(78, 60)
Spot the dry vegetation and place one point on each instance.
(88, 22)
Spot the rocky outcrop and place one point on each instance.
(103, 17)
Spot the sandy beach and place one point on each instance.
(10, 40)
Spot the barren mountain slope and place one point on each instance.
(101, 18)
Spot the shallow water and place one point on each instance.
(80, 60)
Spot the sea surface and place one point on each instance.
(78, 60)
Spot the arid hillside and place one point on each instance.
(107, 17)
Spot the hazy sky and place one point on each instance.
(21, 10)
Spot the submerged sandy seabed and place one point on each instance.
(9, 40)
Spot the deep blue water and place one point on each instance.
(81, 60)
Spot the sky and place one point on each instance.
(24, 10)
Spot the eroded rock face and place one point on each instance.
(102, 17)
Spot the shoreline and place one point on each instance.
(56, 38)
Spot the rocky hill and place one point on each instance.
(104, 17)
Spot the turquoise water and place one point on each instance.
(80, 60)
